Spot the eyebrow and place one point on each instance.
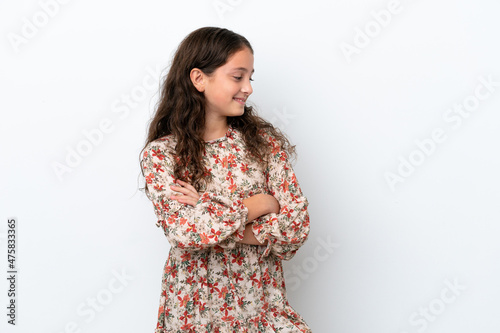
(243, 69)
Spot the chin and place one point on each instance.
(238, 112)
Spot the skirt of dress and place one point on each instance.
(225, 291)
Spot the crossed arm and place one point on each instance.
(258, 205)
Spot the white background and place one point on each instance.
(394, 249)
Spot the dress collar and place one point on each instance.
(229, 134)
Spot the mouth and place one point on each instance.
(240, 100)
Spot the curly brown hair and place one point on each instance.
(181, 108)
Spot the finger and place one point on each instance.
(180, 189)
(186, 200)
(186, 189)
(187, 185)
(189, 195)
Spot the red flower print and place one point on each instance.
(266, 276)
(275, 149)
(256, 281)
(184, 300)
(218, 249)
(191, 266)
(237, 277)
(215, 234)
(211, 209)
(296, 226)
(288, 212)
(255, 321)
(244, 168)
(149, 178)
(203, 281)
(223, 292)
(158, 187)
(196, 297)
(225, 308)
(235, 147)
(158, 167)
(190, 280)
(171, 270)
(186, 256)
(231, 161)
(204, 262)
(191, 227)
(227, 318)
(237, 258)
(158, 153)
(171, 219)
(208, 172)
(257, 227)
(284, 185)
(232, 187)
(213, 287)
(204, 238)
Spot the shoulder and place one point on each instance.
(161, 148)
(165, 141)
(275, 145)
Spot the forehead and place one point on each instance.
(242, 60)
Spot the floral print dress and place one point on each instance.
(211, 283)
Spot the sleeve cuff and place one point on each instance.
(241, 217)
(263, 228)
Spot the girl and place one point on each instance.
(225, 194)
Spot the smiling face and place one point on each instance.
(227, 89)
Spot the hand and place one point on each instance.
(190, 196)
(261, 204)
(274, 205)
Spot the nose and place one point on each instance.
(247, 88)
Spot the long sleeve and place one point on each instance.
(210, 222)
(288, 230)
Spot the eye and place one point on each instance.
(240, 77)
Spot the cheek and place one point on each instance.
(225, 94)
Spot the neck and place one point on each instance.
(215, 129)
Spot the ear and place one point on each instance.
(198, 79)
